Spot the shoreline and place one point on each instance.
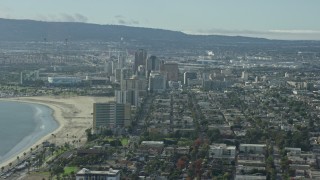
(73, 115)
(41, 139)
(47, 124)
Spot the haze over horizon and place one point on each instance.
(286, 19)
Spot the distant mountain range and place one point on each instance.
(30, 30)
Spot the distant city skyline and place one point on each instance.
(273, 19)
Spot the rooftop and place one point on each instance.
(253, 145)
(111, 171)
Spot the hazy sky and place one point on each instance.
(277, 19)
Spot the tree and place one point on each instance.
(284, 164)
(227, 176)
(107, 132)
(57, 170)
(181, 163)
(90, 136)
(254, 136)
(214, 135)
(52, 149)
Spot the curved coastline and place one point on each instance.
(73, 114)
(36, 137)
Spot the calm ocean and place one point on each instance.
(21, 125)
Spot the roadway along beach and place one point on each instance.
(74, 115)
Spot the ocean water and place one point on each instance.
(21, 125)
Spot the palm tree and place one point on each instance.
(18, 158)
(54, 136)
(28, 165)
(72, 174)
(52, 149)
(2, 168)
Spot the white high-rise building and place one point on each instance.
(286, 75)
(245, 75)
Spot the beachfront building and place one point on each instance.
(111, 115)
(85, 174)
(64, 80)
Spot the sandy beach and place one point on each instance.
(74, 115)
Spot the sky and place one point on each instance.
(273, 19)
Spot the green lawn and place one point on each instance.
(69, 169)
(124, 141)
(185, 143)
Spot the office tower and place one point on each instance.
(121, 59)
(153, 64)
(117, 75)
(187, 76)
(134, 83)
(114, 67)
(108, 68)
(172, 71)
(111, 115)
(141, 71)
(157, 82)
(127, 97)
(131, 90)
(126, 73)
(140, 58)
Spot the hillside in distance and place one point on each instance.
(30, 30)
(157, 39)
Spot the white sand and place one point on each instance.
(74, 115)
